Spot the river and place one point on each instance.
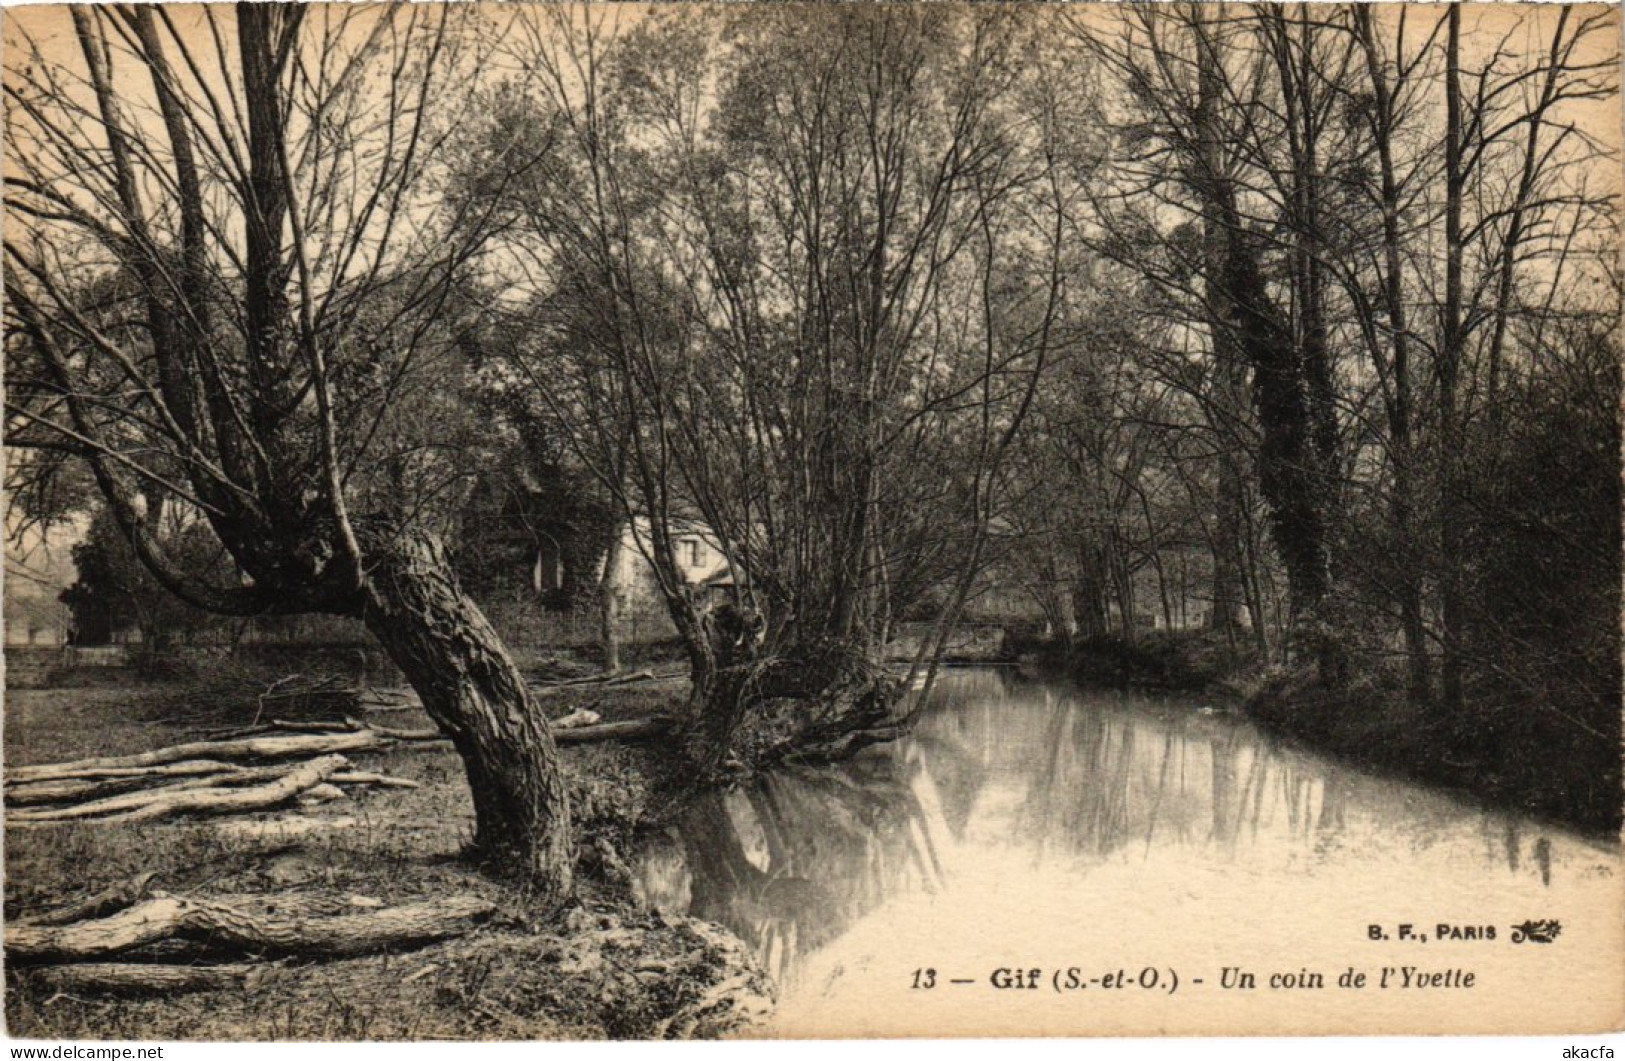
(1030, 825)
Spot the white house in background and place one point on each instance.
(701, 564)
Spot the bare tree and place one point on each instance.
(774, 318)
(1368, 186)
(229, 290)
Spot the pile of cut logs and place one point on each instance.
(275, 764)
(196, 778)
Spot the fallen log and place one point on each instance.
(245, 775)
(135, 926)
(39, 793)
(138, 774)
(186, 799)
(296, 904)
(135, 800)
(231, 801)
(113, 897)
(250, 748)
(235, 927)
(111, 978)
(130, 799)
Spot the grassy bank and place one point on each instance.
(605, 968)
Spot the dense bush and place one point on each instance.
(1185, 660)
(1542, 653)
(114, 593)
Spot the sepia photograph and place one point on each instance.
(582, 521)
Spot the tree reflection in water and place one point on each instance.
(1019, 772)
(790, 862)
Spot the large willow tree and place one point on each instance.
(794, 274)
(227, 290)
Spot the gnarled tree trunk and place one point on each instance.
(474, 692)
(760, 702)
(820, 701)
(1089, 593)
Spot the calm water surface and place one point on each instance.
(1027, 824)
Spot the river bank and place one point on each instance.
(1519, 757)
(607, 966)
(776, 907)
